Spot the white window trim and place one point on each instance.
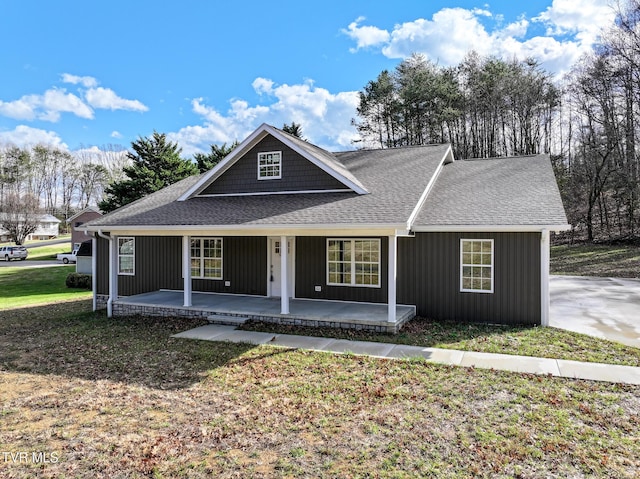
(201, 258)
(133, 255)
(261, 166)
(462, 265)
(353, 263)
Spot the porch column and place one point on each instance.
(544, 277)
(393, 276)
(94, 271)
(186, 270)
(113, 274)
(284, 276)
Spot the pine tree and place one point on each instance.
(155, 163)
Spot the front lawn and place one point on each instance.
(120, 398)
(22, 286)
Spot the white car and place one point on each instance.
(67, 258)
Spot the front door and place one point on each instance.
(275, 273)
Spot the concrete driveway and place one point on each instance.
(603, 307)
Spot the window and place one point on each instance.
(476, 265)
(126, 255)
(206, 258)
(270, 165)
(353, 262)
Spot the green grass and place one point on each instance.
(121, 398)
(20, 286)
(620, 261)
(520, 340)
(47, 252)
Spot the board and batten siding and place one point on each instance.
(429, 278)
(298, 173)
(158, 265)
(311, 271)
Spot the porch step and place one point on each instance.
(226, 319)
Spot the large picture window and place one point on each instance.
(353, 262)
(126, 255)
(476, 265)
(206, 258)
(270, 165)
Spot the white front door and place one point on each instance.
(275, 273)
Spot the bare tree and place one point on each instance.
(21, 216)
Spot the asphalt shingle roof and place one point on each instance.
(494, 192)
(395, 179)
(499, 191)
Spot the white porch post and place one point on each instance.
(393, 276)
(186, 270)
(284, 276)
(544, 277)
(113, 274)
(94, 271)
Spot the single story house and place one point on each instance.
(284, 220)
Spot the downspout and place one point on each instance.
(95, 254)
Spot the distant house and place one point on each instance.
(282, 218)
(80, 218)
(48, 228)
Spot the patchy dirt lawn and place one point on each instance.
(119, 399)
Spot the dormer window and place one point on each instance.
(270, 165)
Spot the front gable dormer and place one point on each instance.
(271, 161)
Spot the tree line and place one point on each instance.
(487, 107)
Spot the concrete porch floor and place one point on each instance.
(339, 314)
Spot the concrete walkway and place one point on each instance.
(502, 362)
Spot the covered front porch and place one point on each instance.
(225, 308)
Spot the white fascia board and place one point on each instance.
(489, 228)
(268, 193)
(448, 155)
(256, 230)
(228, 161)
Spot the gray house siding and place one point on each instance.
(429, 277)
(158, 265)
(298, 173)
(311, 271)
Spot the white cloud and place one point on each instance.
(47, 106)
(25, 136)
(116, 134)
(572, 28)
(446, 39)
(106, 98)
(87, 82)
(365, 36)
(325, 117)
(584, 18)
(53, 102)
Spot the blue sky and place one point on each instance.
(80, 74)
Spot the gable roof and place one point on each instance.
(321, 158)
(396, 180)
(517, 191)
(88, 209)
(417, 188)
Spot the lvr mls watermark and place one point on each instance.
(35, 457)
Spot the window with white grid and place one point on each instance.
(206, 258)
(270, 165)
(476, 265)
(353, 262)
